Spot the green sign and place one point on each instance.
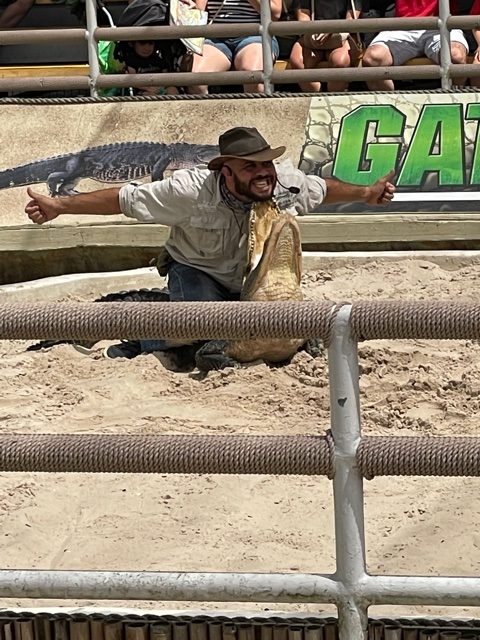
(372, 140)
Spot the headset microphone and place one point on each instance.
(294, 190)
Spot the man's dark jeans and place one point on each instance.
(188, 284)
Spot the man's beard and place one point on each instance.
(244, 189)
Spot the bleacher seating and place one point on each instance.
(42, 60)
(48, 14)
(42, 71)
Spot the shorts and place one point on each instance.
(230, 47)
(405, 45)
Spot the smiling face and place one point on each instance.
(249, 180)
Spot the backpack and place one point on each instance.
(150, 13)
(144, 13)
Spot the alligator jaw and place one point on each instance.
(276, 278)
(278, 274)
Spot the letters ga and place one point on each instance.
(372, 141)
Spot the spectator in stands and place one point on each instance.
(145, 56)
(288, 14)
(139, 56)
(397, 47)
(338, 50)
(376, 9)
(14, 13)
(474, 10)
(243, 53)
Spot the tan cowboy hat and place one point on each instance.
(244, 143)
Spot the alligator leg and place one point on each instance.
(159, 168)
(179, 359)
(212, 356)
(314, 347)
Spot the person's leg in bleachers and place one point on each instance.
(391, 48)
(14, 13)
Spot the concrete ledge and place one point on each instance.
(322, 228)
(29, 251)
(84, 284)
(91, 284)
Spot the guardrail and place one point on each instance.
(267, 29)
(345, 456)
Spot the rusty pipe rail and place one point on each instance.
(236, 454)
(267, 30)
(370, 320)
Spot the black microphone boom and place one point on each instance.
(294, 190)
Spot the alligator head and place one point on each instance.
(273, 274)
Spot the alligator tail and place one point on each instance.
(30, 173)
(135, 295)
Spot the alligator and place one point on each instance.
(116, 163)
(134, 295)
(273, 273)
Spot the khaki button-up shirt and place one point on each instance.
(205, 233)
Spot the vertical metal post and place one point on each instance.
(265, 19)
(445, 55)
(347, 481)
(94, 65)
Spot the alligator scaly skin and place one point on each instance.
(118, 162)
(273, 274)
(134, 295)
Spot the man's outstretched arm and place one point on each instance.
(43, 208)
(379, 193)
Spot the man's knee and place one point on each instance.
(458, 53)
(377, 55)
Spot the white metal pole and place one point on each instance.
(265, 19)
(347, 481)
(445, 56)
(169, 586)
(94, 65)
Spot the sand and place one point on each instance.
(246, 523)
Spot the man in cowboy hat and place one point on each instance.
(208, 210)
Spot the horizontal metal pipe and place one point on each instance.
(233, 77)
(178, 79)
(418, 456)
(183, 320)
(424, 72)
(169, 586)
(464, 70)
(286, 76)
(47, 83)
(428, 590)
(30, 36)
(463, 22)
(34, 36)
(370, 320)
(351, 26)
(236, 587)
(170, 32)
(401, 319)
(103, 453)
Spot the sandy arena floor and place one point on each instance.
(248, 523)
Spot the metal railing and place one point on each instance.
(351, 588)
(267, 29)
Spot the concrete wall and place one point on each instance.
(35, 132)
(310, 128)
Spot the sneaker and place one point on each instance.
(127, 349)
